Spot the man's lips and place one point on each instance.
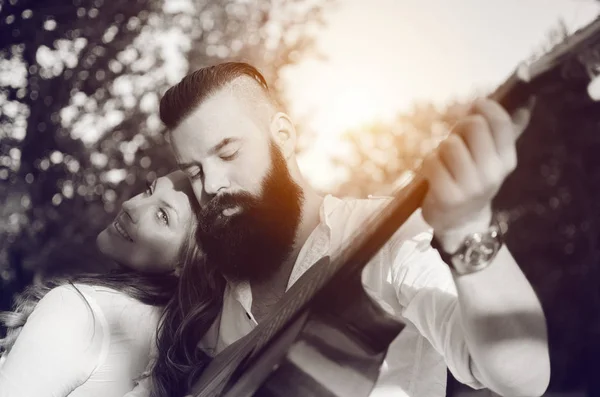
(231, 211)
(121, 230)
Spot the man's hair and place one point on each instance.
(181, 99)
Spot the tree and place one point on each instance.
(80, 83)
(551, 205)
(383, 156)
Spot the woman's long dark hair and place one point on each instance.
(155, 289)
(186, 319)
(150, 289)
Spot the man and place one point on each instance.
(263, 225)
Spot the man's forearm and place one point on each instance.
(503, 323)
(505, 328)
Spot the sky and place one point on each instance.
(383, 55)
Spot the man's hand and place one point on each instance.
(467, 170)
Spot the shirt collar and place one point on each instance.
(329, 204)
(316, 246)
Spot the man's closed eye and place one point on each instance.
(229, 157)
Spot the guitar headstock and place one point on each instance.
(576, 61)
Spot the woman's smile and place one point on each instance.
(121, 230)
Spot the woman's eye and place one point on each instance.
(163, 216)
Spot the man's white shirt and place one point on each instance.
(407, 278)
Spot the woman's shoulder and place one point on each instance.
(67, 299)
(116, 298)
(70, 307)
(119, 306)
(59, 346)
(82, 306)
(65, 308)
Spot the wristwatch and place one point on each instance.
(476, 251)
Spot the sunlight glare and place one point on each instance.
(353, 108)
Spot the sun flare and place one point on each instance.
(352, 108)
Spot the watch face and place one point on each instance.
(478, 251)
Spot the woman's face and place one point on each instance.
(151, 227)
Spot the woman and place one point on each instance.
(92, 335)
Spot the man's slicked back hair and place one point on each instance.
(181, 99)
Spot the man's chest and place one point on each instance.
(411, 363)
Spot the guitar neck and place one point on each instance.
(525, 82)
(513, 93)
(516, 91)
(365, 245)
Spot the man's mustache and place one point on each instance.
(214, 208)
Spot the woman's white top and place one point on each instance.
(84, 341)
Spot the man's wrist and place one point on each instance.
(450, 240)
(474, 252)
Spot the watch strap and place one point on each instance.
(446, 257)
(462, 253)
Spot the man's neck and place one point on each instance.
(309, 218)
(266, 293)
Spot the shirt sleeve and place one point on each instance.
(427, 293)
(57, 349)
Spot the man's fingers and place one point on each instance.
(522, 116)
(499, 122)
(474, 132)
(454, 154)
(441, 183)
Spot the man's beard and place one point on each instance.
(253, 244)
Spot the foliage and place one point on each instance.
(551, 205)
(80, 82)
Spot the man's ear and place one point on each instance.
(284, 134)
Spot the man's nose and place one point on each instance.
(215, 180)
(202, 197)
